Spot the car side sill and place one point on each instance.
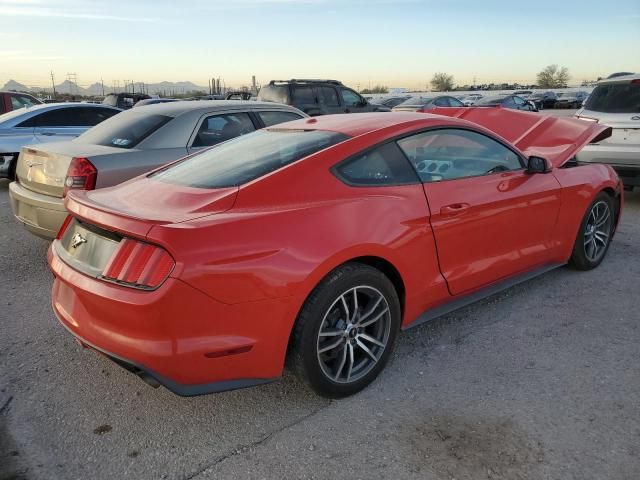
(497, 287)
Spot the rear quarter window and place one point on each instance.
(274, 93)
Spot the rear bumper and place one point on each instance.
(625, 160)
(175, 335)
(41, 214)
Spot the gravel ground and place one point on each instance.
(539, 382)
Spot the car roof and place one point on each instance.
(361, 123)
(620, 79)
(173, 109)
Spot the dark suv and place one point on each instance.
(317, 97)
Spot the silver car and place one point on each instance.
(52, 122)
(130, 144)
(615, 102)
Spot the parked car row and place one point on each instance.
(202, 268)
(129, 144)
(40, 123)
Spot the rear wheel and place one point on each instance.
(595, 233)
(346, 330)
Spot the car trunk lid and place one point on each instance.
(43, 168)
(555, 138)
(625, 126)
(139, 204)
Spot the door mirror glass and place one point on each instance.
(538, 165)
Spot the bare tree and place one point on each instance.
(376, 89)
(553, 76)
(442, 82)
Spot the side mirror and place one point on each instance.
(538, 165)
(363, 103)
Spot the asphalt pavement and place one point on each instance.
(539, 382)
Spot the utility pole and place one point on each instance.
(102, 83)
(53, 84)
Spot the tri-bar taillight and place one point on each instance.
(138, 264)
(81, 175)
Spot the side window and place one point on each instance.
(329, 96)
(508, 102)
(61, 117)
(384, 165)
(20, 101)
(304, 94)
(91, 116)
(518, 101)
(350, 98)
(454, 102)
(273, 118)
(441, 102)
(448, 154)
(220, 128)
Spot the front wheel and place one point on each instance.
(346, 330)
(595, 233)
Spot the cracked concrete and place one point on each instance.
(541, 381)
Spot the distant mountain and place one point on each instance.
(96, 89)
(13, 85)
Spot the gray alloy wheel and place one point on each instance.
(597, 231)
(354, 334)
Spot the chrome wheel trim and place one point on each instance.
(354, 334)
(597, 231)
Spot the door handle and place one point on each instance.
(48, 134)
(454, 209)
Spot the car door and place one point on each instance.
(329, 100)
(217, 127)
(305, 98)
(520, 103)
(490, 218)
(352, 102)
(59, 124)
(509, 102)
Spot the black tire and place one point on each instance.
(12, 167)
(324, 307)
(595, 233)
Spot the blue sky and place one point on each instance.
(396, 43)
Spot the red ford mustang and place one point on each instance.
(320, 239)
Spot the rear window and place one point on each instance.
(111, 100)
(615, 98)
(274, 93)
(125, 130)
(246, 158)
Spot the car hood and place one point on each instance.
(557, 139)
(139, 204)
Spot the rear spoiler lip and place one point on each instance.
(555, 138)
(603, 135)
(78, 206)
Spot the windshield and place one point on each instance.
(615, 98)
(246, 158)
(124, 130)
